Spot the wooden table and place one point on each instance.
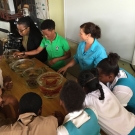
(20, 88)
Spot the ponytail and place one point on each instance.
(97, 32)
(101, 92)
(89, 80)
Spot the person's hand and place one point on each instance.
(59, 116)
(62, 70)
(8, 99)
(52, 61)
(18, 54)
(7, 82)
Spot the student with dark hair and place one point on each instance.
(57, 47)
(89, 52)
(32, 38)
(77, 121)
(30, 122)
(120, 82)
(114, 119)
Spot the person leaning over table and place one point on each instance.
(113, 118)
(6, 84)
(32, 38)
(57, 47)
(118, 80)
(78, 121)
(89, 52)
(30, 122)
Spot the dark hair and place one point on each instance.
(28, 22)
(1, 49)
(30, 102)
(48, 24)
(91, 28)
(72, 95)
(89, 80)
(110, 64)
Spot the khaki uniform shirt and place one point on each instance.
(30, 124)
(24, 42)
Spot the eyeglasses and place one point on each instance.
(21, 30)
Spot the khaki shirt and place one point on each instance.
(30, 124)
(24, 42)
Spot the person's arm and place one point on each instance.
(59, 116)
(7, 82)
(123, 94)
(64, 69)
(10, 100)
(33, 52)
(66, 56)
(101, 54)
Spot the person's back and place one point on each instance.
(30, 124)
(78, 121)
(114, 119)
(29, 121)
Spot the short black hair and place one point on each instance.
(30, 102)
(109, 65)
(1, 49)
(48, 24)
(89, 80)
(72, 95)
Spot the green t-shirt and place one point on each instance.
(56, 49)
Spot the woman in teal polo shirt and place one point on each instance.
(56, 46)
(89, 52)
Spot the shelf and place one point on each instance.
(6, 16)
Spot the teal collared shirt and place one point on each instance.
(90, 58)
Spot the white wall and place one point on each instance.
(116, 19)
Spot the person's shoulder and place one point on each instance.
(61, 37)
(61, 130)
(98, 45)
(48, 119)
(93, 109)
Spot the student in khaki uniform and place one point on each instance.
(30, 122)
(56, 46)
